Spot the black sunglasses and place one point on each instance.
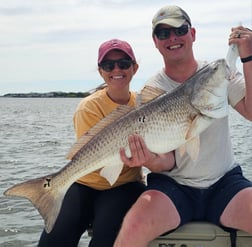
(165, 33)
(109, 65)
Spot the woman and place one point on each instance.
(92, 200)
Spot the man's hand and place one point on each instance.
(139, 152)
(142, 156)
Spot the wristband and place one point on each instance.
(246, 59)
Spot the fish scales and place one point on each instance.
(151, 123)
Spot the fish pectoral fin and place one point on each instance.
(198, 124)
(111, 173)
(191, 147)
(148, 93)
(182, 150)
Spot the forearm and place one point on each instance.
(161, 162)
(242, 37)
(247, 70)
(244, 106)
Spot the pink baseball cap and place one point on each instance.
(115, 44)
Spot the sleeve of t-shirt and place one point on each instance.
(84, 119)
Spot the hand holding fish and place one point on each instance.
(142, 156)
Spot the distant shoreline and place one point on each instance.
(48, 95)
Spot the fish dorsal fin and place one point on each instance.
(114, 115)
(148, 93)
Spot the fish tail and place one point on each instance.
(44, 195)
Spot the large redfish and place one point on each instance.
(166, 122)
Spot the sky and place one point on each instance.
(52, 45)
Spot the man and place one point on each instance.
(181, 190)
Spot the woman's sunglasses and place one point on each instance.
(165, 33)
(109, 65)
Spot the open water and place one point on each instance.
(35, 135)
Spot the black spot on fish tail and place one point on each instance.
(47, 184)
(44, 194)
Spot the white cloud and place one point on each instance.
(57, 40)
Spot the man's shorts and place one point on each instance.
(200, 204)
